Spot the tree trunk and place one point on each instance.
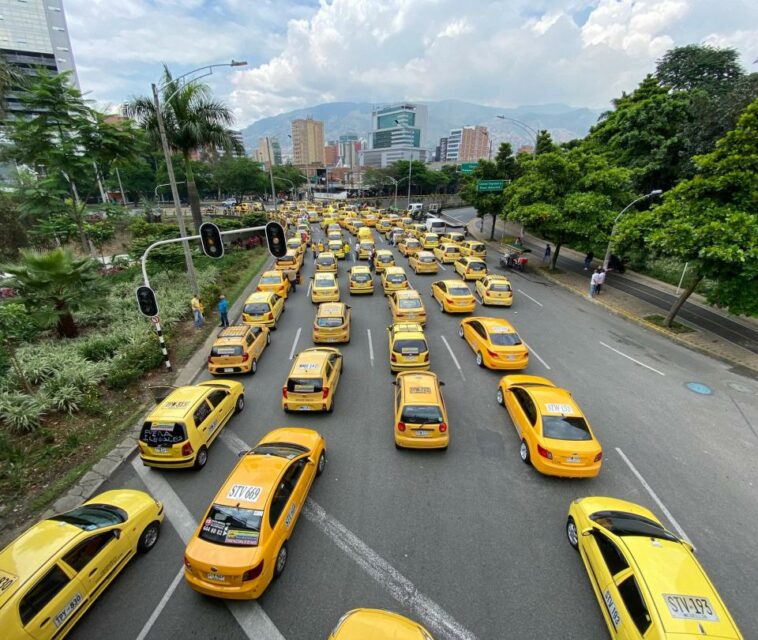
(554, 259)
(681, 300)
(66, 326)
(492, 230)
(192, 194)
(17, 369)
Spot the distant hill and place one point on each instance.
(563, 122)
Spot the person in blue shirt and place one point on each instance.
(223, 310)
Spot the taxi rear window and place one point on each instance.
(385, 258)
(502, 339)
(421, 414)
(256, 308)
(459, 291)
(409, 303)
(476, 266)
(286, 259)
(330, 322)
(226, 350)
(232, 526)
(497, 286)
(396, 277)
(426, 259)
(304, 385)
(565, 428)
(325, 260)
(271, 280)
(324, 282)
(409, 346)
(161, 433)
(477, 247)
(361, 277)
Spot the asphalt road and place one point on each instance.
(695, 314)
(469, 542)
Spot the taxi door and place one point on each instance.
(474, 334)
(259, 338)
(53, 603)
(439, 291)
(333, 377)
(286, 503)
(97, 559)
(205, 426)
(277, 306)
(523, 413)
(223, 408)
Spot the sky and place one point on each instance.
(304, 52)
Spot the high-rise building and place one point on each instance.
(307, 142)
(440, 152)
(268, 148)
(468, 144)
(33, 33)
(349, 148)
(331, 153)
(398, 132)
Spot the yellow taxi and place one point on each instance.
(332, 323)
(429, 241)
(361, 624)
(276, 282)
(240, 545)
(326, 261)
(346, 222)
(470, 268)
(364, 233)
(364, 249)
(453, 296)
(382, 259)
(356, 226)
(290, 261)
(423, 262)
(408, 346)
(495, 343)
(495, 290)
(369, 220)
(447, 252)
(394, 279)
(178, 432)
(313, 380)
(237, 349)
(407, 305)
(360, 280)
(383, 225)
(647, 581)
(325, 288)
(296, 245)
(313, 216)
(54, 571)
(417, 230)
(473, 249)
(407, 223)
(334, 235)
(337, 247)
(408, 246)
(420, 414)
(263, 309)
(556, 438)
(454, 237)
(303, 231)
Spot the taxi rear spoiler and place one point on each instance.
(511, 381)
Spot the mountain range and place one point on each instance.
(564, 122)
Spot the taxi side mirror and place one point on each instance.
(442, 384)
(244, 452)
(394, 383)
(588, 532)
(117, 533)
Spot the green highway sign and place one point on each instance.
(487, 186)
(468, 167)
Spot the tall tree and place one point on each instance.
(699, 66)
(10, 78)
(193, 119)
(544, 142)
(240, 176)
(711, 221)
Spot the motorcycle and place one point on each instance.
(514, 258)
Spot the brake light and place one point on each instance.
(393, 357)
(448, 300)
(187, 563)
(245, 357)
(325, 393)
(544, 452)
(252, 574)
(401, 426)
(599, 457)
(187, 449)
(141, 448)
(492, 354)
(443, 427)
(258, 288)
(210, 358)
(269, 316)
(284, 392)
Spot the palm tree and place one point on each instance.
(10, 79)
(193, 120)
(53, 285)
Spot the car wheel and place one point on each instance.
(460, 331)
(268, 338)
(254, 367)
(240, 402)
(479, 359)
(201, 458)
(281, 561)
(571, 533)
(331, 406)
(149, 537)
(442, 307)
(500, 397)
(523, 452)
(321, 464)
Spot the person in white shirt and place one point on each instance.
(600, 281)
(595, 282)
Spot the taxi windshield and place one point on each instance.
(630, 524)
(421, 414)
(92, 516)
(233, 526)
(330, 321)
(271, 280)
(256, 308)
(409, 346)
(565, 428)
(409, 303)
(459, 291)
(280, 449)
(503, 339)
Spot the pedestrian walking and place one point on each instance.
(346, 249)
(371, 259)
(548, 253)
(292, 277)
(594, 282)
(197, 312)
(223, 311)
(600, 280)
(320, 246)
(588, 260)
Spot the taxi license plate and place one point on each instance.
(216, 577)
(422, 432)
(161, 450)
(411, 316)
(511, 357)
(411, 358)
(330, 339)
(304, 407)
(573, 459)
(228, 370)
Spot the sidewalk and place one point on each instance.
(624, 304)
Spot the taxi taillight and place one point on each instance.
(401, 426)
(393, 357)
(252, 574)
(269, 316)
(187, 563)
(325, 393)
(443, 427)
(187, 449)
(599, 457)
(210, 358)
(245, 357)
(544, 452)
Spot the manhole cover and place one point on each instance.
(699, 387)
(742, 388)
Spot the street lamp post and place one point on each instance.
(170, 166)
(271, 169)
(165, 184)
(525, 126)
(652, 194)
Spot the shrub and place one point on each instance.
(256, 219)
(99, 347)
(121, 375)
(37, 366)
(143, 356)
(21, 413)
(65, 398)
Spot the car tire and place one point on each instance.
(254, 366)
(442, 307)
(479, 359)
(397, 446)
(201, 458)
(523, 452)
(460, 331)
(572, 534)
(149, 537)
(321, 464)
(500, 397)
(331, 406)
(280, 563)
(268, 338)
(240, 404)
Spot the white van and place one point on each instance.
(435, 225)
(415, 207)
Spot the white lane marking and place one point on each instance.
(521, 291)
(310, 286)
(642, 364)
(161, 605)
(478, 299)
(370, 347)
(399, 587)
(251, 618)
(234, 442)
(452, 355)
(442, 266)
(294, 344)
(536, 355)
(654, 496)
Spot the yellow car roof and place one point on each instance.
(428, 254)
(178, 403)
(469, 259)
(294, 242)
(383, 252)
(309, 361)
(554, 401)
(322, 276)
(374, 624)
(389, 270)
(500, 325)
(455, 283)
(407, 293)
(421, 386)
(259, 296)
(473, 242)
(272, 274)
(232, 335)
(360, 268)
(335, 243)
(332, 309)
(326, 254)
(254, 472)
(496, 277)
(449, 245)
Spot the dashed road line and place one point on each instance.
(654, 496)
(478, 299)
(642, 364)
(294, 344)
(370, 347)
(442, 266)
(161, 605)
(521, 291)
(536, 355)
(310, 286)
(452, 355)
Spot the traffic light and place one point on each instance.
(275, 239)
(210, 238)
(321, 175)
(148, 305)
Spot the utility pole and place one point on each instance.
(121, 188)
(271, 169)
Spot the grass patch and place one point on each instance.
(676, 327)
(547, 269)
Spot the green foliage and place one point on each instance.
(16, 325)
(63, 398)
(14, 235)
(241, 177)
(698, 66)
(254, 219)
(99, 347)
(21, 414)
